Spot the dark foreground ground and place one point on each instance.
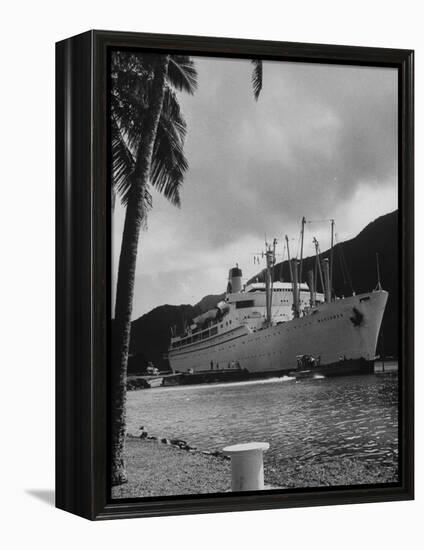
(156, 469)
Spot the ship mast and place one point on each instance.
(327, 283)
(295, 285)
(318, 263)
(294, 277)
(289, 259)
(302, 233)
(331, 258)
(270, 255)
(378, 287)
(274, 244)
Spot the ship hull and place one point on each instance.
(343, 333)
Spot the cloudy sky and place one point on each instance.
(320, 142)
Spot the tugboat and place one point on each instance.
(307, 367)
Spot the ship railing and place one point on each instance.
(197, 337)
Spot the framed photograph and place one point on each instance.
(234, 274)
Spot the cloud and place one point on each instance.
(320, 141)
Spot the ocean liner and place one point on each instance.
(271, 327)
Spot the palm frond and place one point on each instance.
(130, 99)
(182, 74)
(122, 162)
(257, 77)
(169, 163)
(122, 170)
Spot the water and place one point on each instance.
(318, 419)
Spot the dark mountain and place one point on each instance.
(209, 301)
(354, 268)
(150, 334)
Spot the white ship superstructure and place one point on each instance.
(265, 327)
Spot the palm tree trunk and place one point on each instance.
(126, 272)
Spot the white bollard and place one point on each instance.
(247, 465)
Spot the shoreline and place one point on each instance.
(156, 468)
(141, 382)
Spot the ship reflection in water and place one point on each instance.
(353, 417)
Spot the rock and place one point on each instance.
(165, 441)
(218, 454)
(179, 442)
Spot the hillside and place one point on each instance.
(150, 333)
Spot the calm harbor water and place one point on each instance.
(327, 418)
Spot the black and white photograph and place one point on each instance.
(255, 313)
(211, 237)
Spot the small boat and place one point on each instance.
(309, 366)
(153, 381)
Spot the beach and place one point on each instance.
(158, 469)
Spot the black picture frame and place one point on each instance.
(83, 265)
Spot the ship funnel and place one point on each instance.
(326, 272)
(234, 280)
(312, 291)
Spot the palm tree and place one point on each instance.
(147, 149)
(148, 133)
